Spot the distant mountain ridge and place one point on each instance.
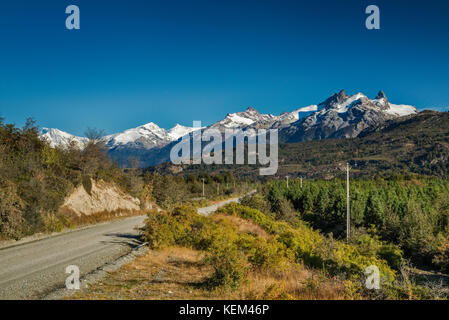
(343, 116)
(339, 116)
(417, 143)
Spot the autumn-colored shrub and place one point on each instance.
(313, 249)
(11, 220)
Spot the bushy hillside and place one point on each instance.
(233, 254)
(35, 178)
(244, 246)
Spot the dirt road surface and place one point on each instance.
(34, 269)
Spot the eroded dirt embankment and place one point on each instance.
(102, 197)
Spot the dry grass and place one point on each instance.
(174, 273)
(296, 284)
(178, 274)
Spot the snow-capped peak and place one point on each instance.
(150, 126)
(150, 132)
(61, 138)
(341, 103)
(244, 118)
(179, 131)
(400, 110)
(236, 119)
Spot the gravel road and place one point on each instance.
(205, 211)
(34, 269)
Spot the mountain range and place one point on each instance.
(339, 116)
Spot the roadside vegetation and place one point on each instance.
(35, 179)
(169, 191)
(409, 212)
(241, 252)
(280, 246)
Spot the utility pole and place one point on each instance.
(301, 181)
(287, 181)
(203, 187)
(218, 188)
(348, 213)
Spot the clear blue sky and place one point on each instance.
(170, 61)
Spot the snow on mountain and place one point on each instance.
(148, 135)
(342, 103)
(345, 116)
(243, 119)
(401, 110)
(347, 103)
(235, 120)
(251, 118)
(288, 117)
(299, 113)
(60, 138)
(179, 131)
(397, 110)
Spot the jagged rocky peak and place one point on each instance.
(248, 111)
(381, 95)
(381, 101)
(342, 93)
(334, 99)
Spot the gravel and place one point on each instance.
(36, 269)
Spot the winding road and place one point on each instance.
(208, 210)
(35, 269)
